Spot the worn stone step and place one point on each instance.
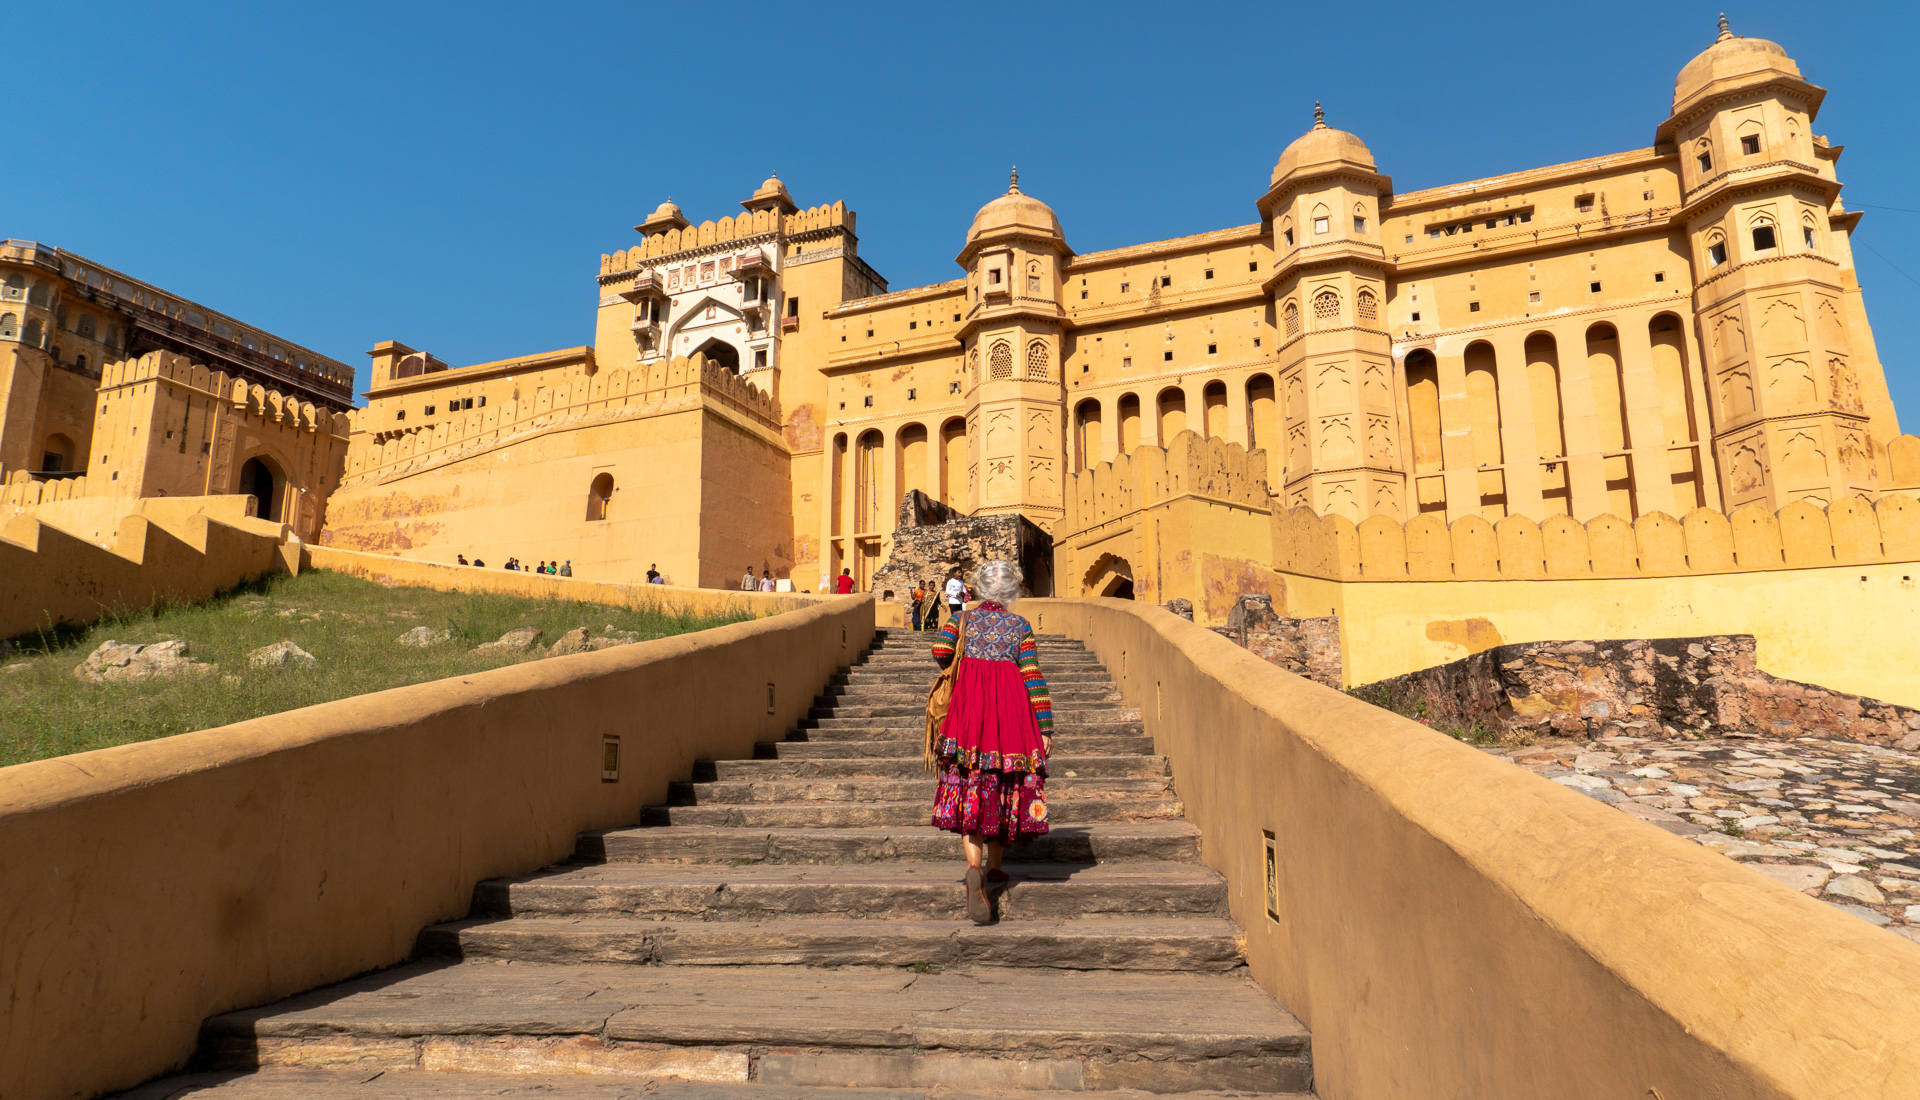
(907, 767)
(1064, 722)
(1030, 1028)
(916, 707)
(569, 1083)
(1106, 842)
(824, 744)
(881, 892)
(917, 700)
(853, 815)
(927, 669)
(1184, 944)
(732, 792)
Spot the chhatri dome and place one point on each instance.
(664, 217)
(1322, 145)
(1731, 58)
(1014, 210)
(771, 194)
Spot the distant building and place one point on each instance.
(1657, 330)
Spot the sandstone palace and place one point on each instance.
(1658, 332)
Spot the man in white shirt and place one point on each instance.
(956, 593)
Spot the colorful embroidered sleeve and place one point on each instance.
(943, 645)
(1037, 694)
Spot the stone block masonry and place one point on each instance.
(1651, 688)
(1305, 647)
(930, 540)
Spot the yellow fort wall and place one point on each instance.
(1825, 593)
(152, 885)
(1448, 925)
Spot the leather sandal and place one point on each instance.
(978, 911)
(995, 876)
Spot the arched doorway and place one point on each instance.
(57, 455)
(598, 495)
(1109, 576)
(719, 351)
(262, 480)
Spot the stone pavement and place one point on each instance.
(790, 925)
(1835, 820)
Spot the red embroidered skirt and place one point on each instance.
(993, 769)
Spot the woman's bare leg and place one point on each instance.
(976, 848)
(994, 850)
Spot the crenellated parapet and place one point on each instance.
(1854, 531)
(609, 395)
(1190, 465)
(750, 225)
(240, 394)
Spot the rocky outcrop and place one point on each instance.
(518, 640)
(1304, 647)
(931, 540)
(1659, 687)
(283, 654)
(114, 663)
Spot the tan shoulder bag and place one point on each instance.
(940, 696)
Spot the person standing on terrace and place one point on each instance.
(992, 749)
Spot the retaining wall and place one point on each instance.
(149, 886)
(1451, 926)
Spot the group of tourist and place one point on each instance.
(956, 596)
(766, 582)
(554, 568)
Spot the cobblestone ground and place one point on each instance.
(1833, 819)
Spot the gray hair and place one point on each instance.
(998, 581)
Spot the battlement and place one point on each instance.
(242, 394)
(650, 389)
(749, 225)
(1190, 465)
(1704, 541)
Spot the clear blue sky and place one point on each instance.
(448, 175)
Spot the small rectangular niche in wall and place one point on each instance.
(1270, 860)
(1583, 203)
(1593, 288)
(1166, 280)
(1750, 144)
(610, 758)
(769, 698)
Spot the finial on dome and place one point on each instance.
(1319, 116)
(1726, 32)
(1013, 181)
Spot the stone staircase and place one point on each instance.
(791, 925)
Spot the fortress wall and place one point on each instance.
(97, 518)
(1449, 925)
(152, 885)
(415, 573)
(48, 576)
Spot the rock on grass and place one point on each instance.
(420, 637)
(114, 663)
(283, 654)
(517, 640)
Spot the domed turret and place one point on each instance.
(1730, 60)
(771, 195)
(1322, 145)
(1015, 211)
(664, 217)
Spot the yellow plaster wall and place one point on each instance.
(97, 518)
(152, 885)
(1448, 925)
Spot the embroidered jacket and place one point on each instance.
(996, 634)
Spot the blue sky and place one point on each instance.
(447, 175)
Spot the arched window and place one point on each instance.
(1037, 359)
(1293, 320)
(1286, 230)
(1703, 155)
(112, 339)
(973, 365)
(80, 362)
(599, 494)
(9, 325)
(32, 333)
(1716, 248)
(1365, 307)
(1033, 277)
(1000, 361)
(37, 294)
(1764, 237)
(1326, 309)
(84, 326)
(1809, 234)
(14, 286)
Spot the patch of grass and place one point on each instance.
(1476, 732)
(349, 625)
(924, 967)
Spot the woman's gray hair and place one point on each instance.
(998, 581)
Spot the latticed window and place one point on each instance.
(1326, 308)
(1000, 361)
(1364, 307)
(1037, 359)
(1293, 320)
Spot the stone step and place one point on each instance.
(1184, 944)
(291, 1083)
(878, 696)
(923, 658)
(978, 1027)
(1107, 842)
(733, 792)
(916, 707)
(924, 672)
(884, 893)
(822, 744)
(860, 815)
(1064, 723)
(907, 767)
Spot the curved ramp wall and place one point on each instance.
(148, 886)
(1449, 925)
